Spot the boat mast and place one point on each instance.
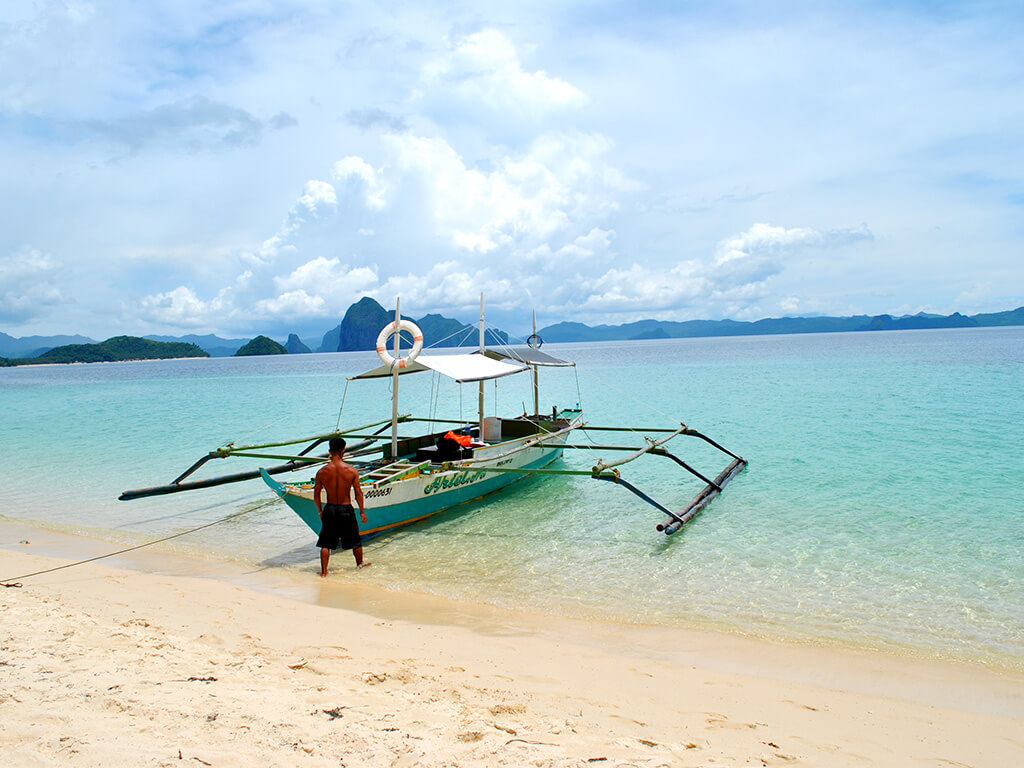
(536, 384)
(394, 382)
(481, 436)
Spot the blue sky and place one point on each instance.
(256, 166)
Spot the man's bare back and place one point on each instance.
(339, 480)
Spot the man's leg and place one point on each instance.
(325, 557)
(358, 552)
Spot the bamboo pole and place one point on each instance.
(481, 408)
(394, 380)
(227, 449)
(702, 499)
(651, 445)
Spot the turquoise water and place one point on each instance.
(883, 505)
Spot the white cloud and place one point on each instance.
(768, 239)
(761, 252)
(182, 308)
(367, 181)
(484, 69)
(318, 201)
(28, 285)
(596, 165)
(585, 253)
(292, 304)
(737, 275)
(448, 284)
(790, 305)
(318, 288)
(640, 289)
(316, 195)
(561, 182)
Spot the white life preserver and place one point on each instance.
(390, 330)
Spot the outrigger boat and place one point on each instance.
(406, 478)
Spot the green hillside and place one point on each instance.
(261, 345)
(118, 348)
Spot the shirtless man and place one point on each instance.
(338, 519)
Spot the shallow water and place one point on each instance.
(882, 506)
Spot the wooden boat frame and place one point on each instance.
(402, 485)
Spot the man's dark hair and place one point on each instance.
(336, 445)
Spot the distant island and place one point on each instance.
(665, 329)
(116, 349)
(363, 320)
(295, 346)
(261, 345)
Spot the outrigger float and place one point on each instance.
(409, 477)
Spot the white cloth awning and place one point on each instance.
(462, 368)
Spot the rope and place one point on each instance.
(15, 583)
(435, 390)
(341, 410)
(579, 397)
(467, 331)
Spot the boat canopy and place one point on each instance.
(527, 355)
(461, 368)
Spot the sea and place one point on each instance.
(882, 507)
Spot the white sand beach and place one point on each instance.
(102, 666)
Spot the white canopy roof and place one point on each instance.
(462, 368)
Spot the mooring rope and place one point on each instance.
(466, 331)
(15, 582)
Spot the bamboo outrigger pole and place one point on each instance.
(482, 350)
(608, 470)
(536, 382)
(293, 462)
(394, 380)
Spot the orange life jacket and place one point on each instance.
(463, 440)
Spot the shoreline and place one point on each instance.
(95, 655)
(61, 542)
(345, 593)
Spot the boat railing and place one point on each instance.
(533, 441)
(390, 473)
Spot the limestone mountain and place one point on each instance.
(295, 346)
(361, 324)
(364, 320)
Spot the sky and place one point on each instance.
(255, 166)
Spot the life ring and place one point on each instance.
(535, 342)
(390, 330)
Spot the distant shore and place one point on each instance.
(363, 320)
(98, 657)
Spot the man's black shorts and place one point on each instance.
(339, 525)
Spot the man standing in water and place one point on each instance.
(338, 519)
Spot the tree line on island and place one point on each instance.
(363, 320)
(115, 349)
(358, 330)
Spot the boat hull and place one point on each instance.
(435, 490)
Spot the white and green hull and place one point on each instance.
(436, 488)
